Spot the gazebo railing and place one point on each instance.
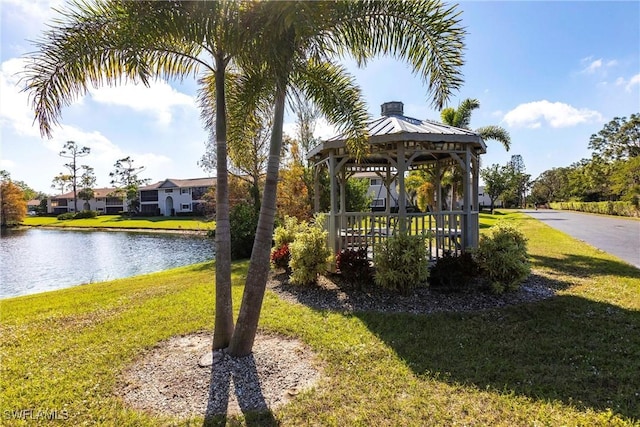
(444, 230)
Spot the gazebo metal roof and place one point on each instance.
(393, 127)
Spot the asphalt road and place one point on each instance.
(617, 236)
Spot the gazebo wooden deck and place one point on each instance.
(398, 144)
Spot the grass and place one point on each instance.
(569, 360)
(117, 221)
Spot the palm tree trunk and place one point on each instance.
(223, 328)
(247, 325)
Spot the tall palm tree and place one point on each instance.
(461, 117)
(278, 46)
(301, 40)
(100, 42)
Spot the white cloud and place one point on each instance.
(635, 80)
(593, 66)
(14, 105)
(158, 99)
(556, 114)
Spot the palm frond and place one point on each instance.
(462, 117)
(338, 97)
(103, 43)
(496, 133)
(425, 33)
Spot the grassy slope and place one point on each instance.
(116, 221)
(571, 360)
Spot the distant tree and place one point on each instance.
(293, 192)
(125, 178)
(62, 182)
(625, 179)
(497, 180)
(357, 195)
(73, 151)
(551, 186)
(13, 205)
(619, 139)
(461, 117)
(87, 182)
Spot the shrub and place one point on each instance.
(502, 257)
(85, 214)
(354, 265)
(65, 216)
(309, 254)
(285, 234)
(401, 263)
(453, 273)
(624, 208)
(243, 220)
(280, 257)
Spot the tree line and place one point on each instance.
(611, 174)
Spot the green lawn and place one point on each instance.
(117, 221)
(570, 360)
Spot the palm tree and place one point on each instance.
(100, 42)
(278, 46)
(461, 117)
(300, 39)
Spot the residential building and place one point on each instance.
(174, 196)
(103, 201)
(484, 201)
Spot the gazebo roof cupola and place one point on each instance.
(393, 108)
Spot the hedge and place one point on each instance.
(605, 208)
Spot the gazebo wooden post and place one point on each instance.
(316, 188)
(401, 165)
(475, 235)
(333, 235)
(466, 183)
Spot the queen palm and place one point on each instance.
(301, 40)
(461, 117)
(101, 42)
(277, 46)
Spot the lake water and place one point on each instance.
(37, 260)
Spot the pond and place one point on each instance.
(38, 260)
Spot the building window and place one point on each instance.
(185, 207)
(185, 190)
(378, 203)
(149, 196)
(375, 181)
(168, 190)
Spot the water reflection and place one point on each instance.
(37, 260)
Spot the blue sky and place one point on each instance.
(551, 73)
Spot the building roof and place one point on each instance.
(98, 193)
(181, 183)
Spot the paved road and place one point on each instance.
(617, 236)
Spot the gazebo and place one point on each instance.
(397, 145)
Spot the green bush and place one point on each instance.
(85, 214)
(285, 234)
(243, 220)
(603, 208)
(401, 263)
(309, 254)
(502, 257)
(453, 273)
(65, 216)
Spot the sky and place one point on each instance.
(551, 73)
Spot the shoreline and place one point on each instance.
(115, 229)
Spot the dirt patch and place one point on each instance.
(170, 379)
